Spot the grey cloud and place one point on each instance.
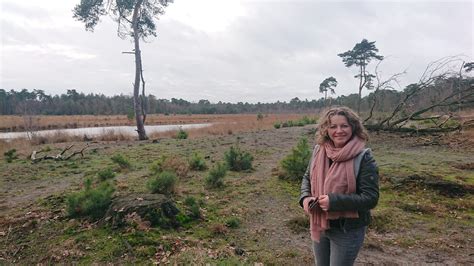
(277, 51)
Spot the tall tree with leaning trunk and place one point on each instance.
(360, 56)
(136, 19)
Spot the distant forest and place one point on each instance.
(36, 102)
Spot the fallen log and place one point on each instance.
(59, 157)
(412, 130)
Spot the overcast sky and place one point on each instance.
(228, 50)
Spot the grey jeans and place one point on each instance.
(337, 247)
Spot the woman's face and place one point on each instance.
(339, 131)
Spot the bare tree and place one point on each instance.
(136, 19)
(382, 85)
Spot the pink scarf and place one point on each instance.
(337, 178)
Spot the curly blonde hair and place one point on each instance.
(352, 118)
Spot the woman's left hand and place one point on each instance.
(324, 202)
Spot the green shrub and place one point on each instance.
(121, 161)
(299, 123)
(10, 155)
(238, 160)
(181, 134)
(233, 222)
(294, 165)
(92, 202)
(308, 121)
(105, 174)
(216, 175)
(158, 165)
(196, 162)
(259, 116)
(163, 183)
(193, 210)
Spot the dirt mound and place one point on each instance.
(436, 183)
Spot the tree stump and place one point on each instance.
(157, 209)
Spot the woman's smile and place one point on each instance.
(339, 131)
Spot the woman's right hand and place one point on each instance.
(306, 203)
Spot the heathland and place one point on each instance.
(425, 213)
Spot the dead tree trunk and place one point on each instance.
(59, 157)
(437, 73)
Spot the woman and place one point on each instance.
(339, 188)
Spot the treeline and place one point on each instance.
(36, 102)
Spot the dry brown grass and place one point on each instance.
(22, 146)
(10, 123)
(230, 124)
(222, 125)
(112, 135)
(14, 123)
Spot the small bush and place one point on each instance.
(158, 166)
(163, 183)
(10, 155)
(238, 160)
(259, 116)
(105, 174)
(233, 222)
(181, 134)
(193, 208)
(170, 164)
(196, 162)
(307, 121)
(123, 162)
(92, 202)
(216, 175)
(299, 123)
(294, 165)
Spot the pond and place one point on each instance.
(96, 131)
